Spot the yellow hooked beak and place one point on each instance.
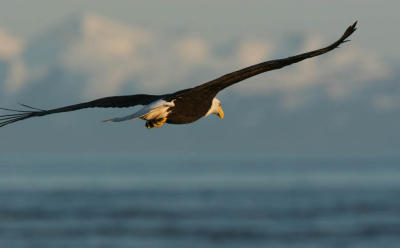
(220, 113)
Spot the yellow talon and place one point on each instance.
(150, 124)
(160, 122)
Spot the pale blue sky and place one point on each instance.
(378, 19)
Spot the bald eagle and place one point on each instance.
(182, 107)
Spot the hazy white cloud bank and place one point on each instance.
(108, 53)
(338, 72)
(11, 49)
(112, 55)
(10, 46)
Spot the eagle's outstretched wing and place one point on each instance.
(216, 85)
(106, 102)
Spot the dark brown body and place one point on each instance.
(188, 109)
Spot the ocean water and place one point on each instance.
(167, 201)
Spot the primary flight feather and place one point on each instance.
(182, 107)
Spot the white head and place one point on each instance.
(216, 108)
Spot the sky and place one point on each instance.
(344, 103)
(27, 19)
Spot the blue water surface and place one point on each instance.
(198, 201)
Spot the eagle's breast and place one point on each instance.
(188, 109)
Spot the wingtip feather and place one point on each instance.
(349, 31)
(18, 115)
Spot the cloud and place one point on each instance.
(108, 53)
(10, 46)
(252, 52)
(339, 73)
(11, 49)
(193, 49)
(112, 55)
(16, 75)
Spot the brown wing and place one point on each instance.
(106, 102)
(216, 85)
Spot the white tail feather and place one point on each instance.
(154, 110)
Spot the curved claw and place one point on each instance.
(161, 122)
